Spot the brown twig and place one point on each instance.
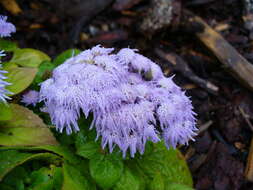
(234, 62)
(205, 126)
(249, 165)
(181, 66)
(246, 117)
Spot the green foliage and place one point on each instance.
(106, 170)
(7, 45)
(157, 183)
(157, 169)
(128, 181)
(20, 78)
(26, 128)
(9, 159)
(85, 148)
(46, 178)
(169, 163)
(44, 72)
(59, 150)
(34, 176)
(65, 55)
(74, 178)
(29, 57)
(5, 112)
(23, 67)
(175, 186)
(14, 180)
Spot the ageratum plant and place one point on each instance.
(6, 29)
(131, 101)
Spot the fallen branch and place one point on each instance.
(181, 66)
(249, 166)
(233, 61)
(246, 117)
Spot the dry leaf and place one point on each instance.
(11, 6)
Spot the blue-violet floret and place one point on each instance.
(6, 28)
(132, 102)
(30, 98)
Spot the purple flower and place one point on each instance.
(156, 72)
(64, 118)
(98, 50)
(140, 63)
(132, 102)
(6, 28)
(126, 55)
(132, 122)
(1, 54)
(30, 98)
(3, 84)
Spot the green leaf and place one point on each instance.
(128, 181)
(65, 55)
(65, 139)
(86, 149)
(9, 159)
(6, 187)
(9, 65)
(57, 149)
(74, 179)
(57, 175)
(18, 172)
(5, 112)
(25, 129)
(175, 186)
(157, 183)
(29, 57)
(15, 178)
(7, 45)
(106, 170)
(169, 163)
(46, 178)
(44, 72)
(62, 151)
(41, 176)
(20, 78)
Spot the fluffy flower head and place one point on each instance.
(132, 102)
(6, 28)
(3, 84)
(30, 98)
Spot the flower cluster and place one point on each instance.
(30, 98)
(3, 84)
(132, 102)
(5, 29)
